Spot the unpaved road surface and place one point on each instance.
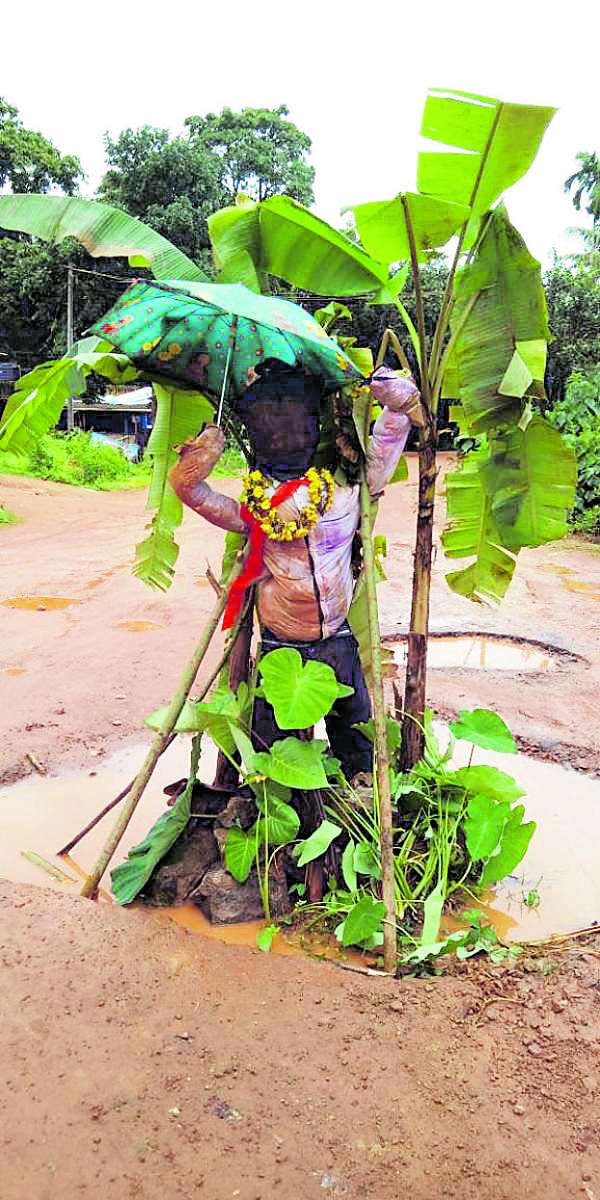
(140, 1060)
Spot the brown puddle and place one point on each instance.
(39, 603)
(556, 889)
(13, 670)
(479, 652)
(139, 626)
(556, 569)
(591, 589)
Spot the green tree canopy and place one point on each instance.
(259, 152)
(28, 161)
(175, 183)
(572, 287)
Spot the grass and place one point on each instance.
(6, 516)
(74, 458)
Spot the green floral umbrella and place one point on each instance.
(212, 336)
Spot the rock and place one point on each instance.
(239, 811)
(227, 902)
(535, 1049)
(182, 868)
(519, 1110)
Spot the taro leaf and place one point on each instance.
(294, 763)
(240, 852)
(365, 861)
(244, 747)
(301, 693)
(488, 781)
(348, 871)
(394, 732)
(264, 937)
(282, 821)
(483, 825)
(515, 840)
(318, 842)
(363, 920)
(212, 716)
(432, 914)
(435, 949)
(484, 728)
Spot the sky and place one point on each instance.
(354, 77)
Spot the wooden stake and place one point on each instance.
(390, 954)
(159, 744)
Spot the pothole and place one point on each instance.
(483, 652)
(39, 603)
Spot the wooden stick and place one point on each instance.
(390, 953)
(113, 803)
(159, 744)
(48, 867)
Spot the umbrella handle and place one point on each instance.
(232, 337)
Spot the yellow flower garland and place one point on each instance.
(320, 492)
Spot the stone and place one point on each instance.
(239, 811)
(182, 868)
(226, 902)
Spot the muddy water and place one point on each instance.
(43, 813)
(139, 626)
(479, 652)
(556, 889)
(39, 603)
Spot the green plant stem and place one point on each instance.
(90, 886)
(381, 746)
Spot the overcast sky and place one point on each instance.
(354, 76)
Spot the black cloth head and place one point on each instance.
(281, 412)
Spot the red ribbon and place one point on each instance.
(254, 561)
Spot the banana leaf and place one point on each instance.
(499, 306)
(280, 237)
(103, 230)
(499, 142)
(383, 232)
(179, 415)
(40, 396)
(530, 480)
(473, 533)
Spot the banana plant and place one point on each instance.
(488, 349)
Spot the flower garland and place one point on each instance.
(320, 492)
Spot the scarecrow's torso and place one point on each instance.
(308, 589)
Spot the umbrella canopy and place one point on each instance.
(208, 335)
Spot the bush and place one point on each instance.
(76, 459)
(6, 516)
(577, 416)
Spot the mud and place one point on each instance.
(140, 1059)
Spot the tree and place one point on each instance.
(259, 153)
(29, 162)
(174, 184)
(587, 184)
(572, 287)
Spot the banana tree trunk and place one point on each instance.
(412, 745)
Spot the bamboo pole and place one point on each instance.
(381, 746)
(90, 886)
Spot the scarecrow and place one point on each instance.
(301, 527)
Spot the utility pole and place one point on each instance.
(70, 423)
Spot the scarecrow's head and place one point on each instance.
(281, 413)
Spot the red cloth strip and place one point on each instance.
(254, 561)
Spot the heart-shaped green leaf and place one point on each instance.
(484, 728)
(301, 693)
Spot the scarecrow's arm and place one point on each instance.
(196, 460)
(402, 406)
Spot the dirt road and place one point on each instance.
(140, 1060)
